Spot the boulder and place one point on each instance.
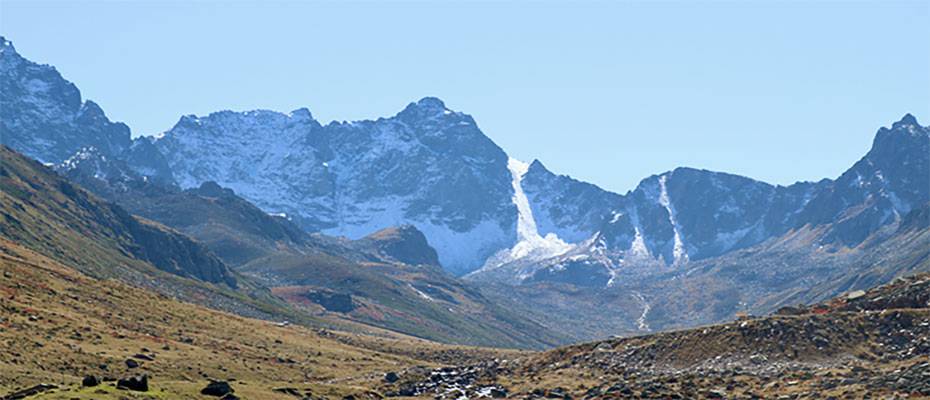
(90, 381)
(134, 383)
(217, 388)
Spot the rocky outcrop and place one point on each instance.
(404, 244)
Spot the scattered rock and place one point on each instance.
(288, 390)
(391, 377)
(32, 391)
(130, 363)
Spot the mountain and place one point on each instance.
(390, 279)
(43, 116)
(742, 246)
(688, 215)
(431, 167)
(427, 166)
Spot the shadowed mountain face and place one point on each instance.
(49, 214)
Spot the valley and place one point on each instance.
(268, 255)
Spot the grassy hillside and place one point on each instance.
(422, 301)
(58, 325)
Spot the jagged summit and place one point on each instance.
(429, 104)
(302, 113)
(43, 116)
(425, 108)
(906, 120)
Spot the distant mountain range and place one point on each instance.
(677, 250)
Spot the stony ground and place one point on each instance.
(863, 347)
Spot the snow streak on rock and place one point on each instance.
(678, 252)
(530, 246)
(641, 321)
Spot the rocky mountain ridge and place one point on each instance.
(433, 168)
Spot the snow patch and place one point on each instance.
(422, 295)
(641, 321)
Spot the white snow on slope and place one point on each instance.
(638, 246)
(530, 246)
(422, 295)
(678, 251)
(529, 242)
(638, 249)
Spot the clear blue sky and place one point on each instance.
(605, 92)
